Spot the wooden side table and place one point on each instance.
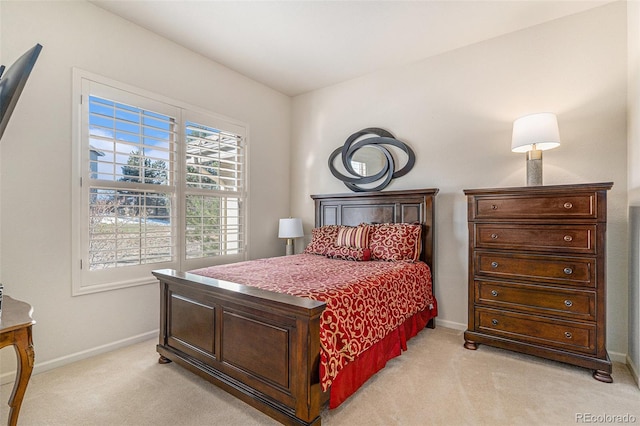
(15, 329)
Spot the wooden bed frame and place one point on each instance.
(264, 347)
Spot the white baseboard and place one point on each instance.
(634, 370)
(618, 357)
(450, 324)
(9, 377)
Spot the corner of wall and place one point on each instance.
(634, 370)
(633, 196)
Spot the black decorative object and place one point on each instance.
(377, 138)
(12, 82)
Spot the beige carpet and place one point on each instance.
(436, 382)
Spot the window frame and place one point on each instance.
(87, 282)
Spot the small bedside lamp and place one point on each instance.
(533, 134)
(290, 228)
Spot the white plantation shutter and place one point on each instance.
(130, 185)
(215, 159)
(119, 133)
(156, 191)
(214, 211)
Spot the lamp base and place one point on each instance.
(534, 167)
(289, 249)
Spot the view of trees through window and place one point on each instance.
(213, 164)
(134, 185)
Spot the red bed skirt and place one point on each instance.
(357, 372)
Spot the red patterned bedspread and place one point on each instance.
(365, 300)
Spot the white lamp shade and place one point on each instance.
(290, 228)
(539, 129)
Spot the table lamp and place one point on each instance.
(290, 228)
(533, 134)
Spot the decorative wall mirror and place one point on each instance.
(369, 158)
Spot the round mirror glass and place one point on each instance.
(368, 161)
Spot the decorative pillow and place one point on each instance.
(322, 239)
(349, 253)
(353, 236)
(396, 241)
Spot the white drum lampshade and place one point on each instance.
(290, 228)
(533, 134)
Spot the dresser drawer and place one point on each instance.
(561, 206)
(575, 304)
(538, 330)
(573, 271)
(554, 238)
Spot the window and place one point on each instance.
(160, 186)
(129, 187)
(214, 161)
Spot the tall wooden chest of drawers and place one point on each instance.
(537, 272)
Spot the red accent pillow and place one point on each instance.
(353, 236)
(396, 241)
(349, 253)
(322, 239)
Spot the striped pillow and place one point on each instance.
(353, 236)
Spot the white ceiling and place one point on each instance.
(298, 46)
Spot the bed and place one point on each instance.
(265, 347)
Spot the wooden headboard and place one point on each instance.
(409, 206)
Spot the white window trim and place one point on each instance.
(118, 279)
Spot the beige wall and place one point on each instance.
(35, 164)
(456, 111)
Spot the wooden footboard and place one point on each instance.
(260, 346)
(264, 347)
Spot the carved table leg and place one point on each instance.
(23, 345)
(602, 376)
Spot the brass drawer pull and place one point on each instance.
(494, 321)
(494, 293)
(494, 207)
(568, 303)
(494, 264)
(494, 236)
(568, 238)
(568, 271)
(568, 335)
(568, 205)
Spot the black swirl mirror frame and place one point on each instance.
(378, 138)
